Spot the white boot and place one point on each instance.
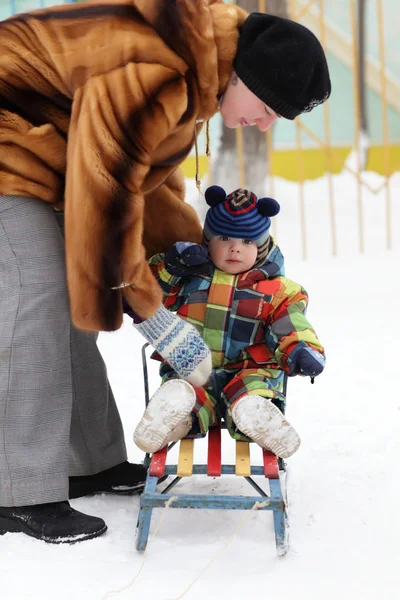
(263, 422)
(168, 416)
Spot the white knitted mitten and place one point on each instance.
(180, 344)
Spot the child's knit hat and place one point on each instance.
(239, 215)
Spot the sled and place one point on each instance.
(272, 469)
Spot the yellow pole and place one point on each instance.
(385, 127)
(270, 150)
(328, 141)
(262, 8)
(383, 185)
(300, 173)
(239, 145)
(209, 172)
(239, 148)
(208, 155)
(300, 165)
(336, 159)
(271, 181)
(357, 121)
(303, 11)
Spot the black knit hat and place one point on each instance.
(283, 63)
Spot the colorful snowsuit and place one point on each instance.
(252, 322)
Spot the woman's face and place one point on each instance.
(240, 107)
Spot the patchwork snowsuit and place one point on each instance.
(252, 322)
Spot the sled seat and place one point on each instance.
(214, 468)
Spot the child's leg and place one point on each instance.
(168, 416)
(249, 397)
(207, 410)
(172, 412)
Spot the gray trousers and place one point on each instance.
(58, 416)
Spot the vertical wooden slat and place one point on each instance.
(270, 462)
(214, 452)
(157, 465)
(185, 460)
(243, 468)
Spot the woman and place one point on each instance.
(98, 108)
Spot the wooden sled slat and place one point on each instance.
(243, 459)
(157, 465)
(271, 469)
(214, 452)
(185, 461)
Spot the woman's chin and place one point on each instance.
(230, 123)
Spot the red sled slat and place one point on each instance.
(271, 469)
(214, 452)
(157, 465)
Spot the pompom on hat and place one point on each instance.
(239, 215)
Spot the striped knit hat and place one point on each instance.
(239, 215)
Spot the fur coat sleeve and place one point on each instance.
(96, 138)
(98, 105)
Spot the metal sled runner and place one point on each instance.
(272, 469)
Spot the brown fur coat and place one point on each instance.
(98, 104)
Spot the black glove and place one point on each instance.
(306, 361)
(185, 258)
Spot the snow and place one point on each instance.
(343, 483)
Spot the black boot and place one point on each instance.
(57, 523)
(124, 478)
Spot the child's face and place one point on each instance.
(232, 255)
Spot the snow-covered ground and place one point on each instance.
(343, 483)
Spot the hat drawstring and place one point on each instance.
(198, 179)
(208, 153)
